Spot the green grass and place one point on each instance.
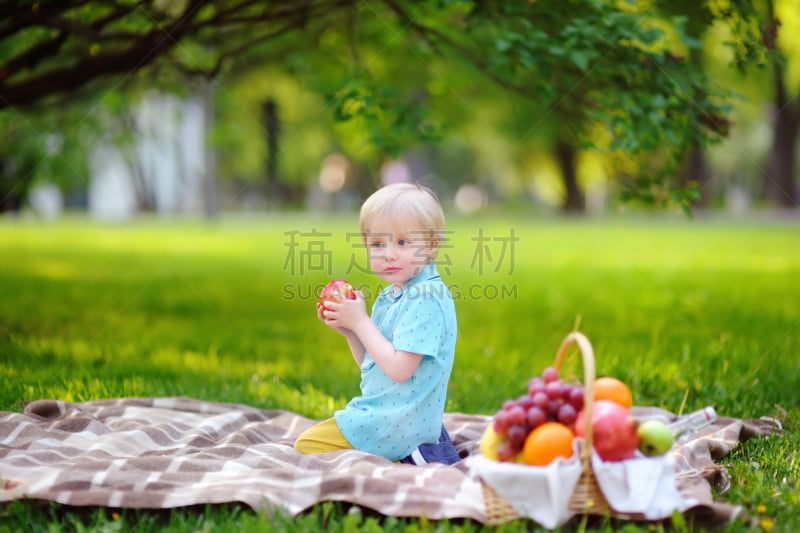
(705, 310)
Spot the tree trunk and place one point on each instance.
(696, 168)
(210, 188)
(695, 164)
(143, 188)
(277, 192)
(574, 201)
(14, 185)
(779, 181)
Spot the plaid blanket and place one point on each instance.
(160, 453)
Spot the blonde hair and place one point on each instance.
(407, 203)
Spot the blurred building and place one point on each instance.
(160, 167)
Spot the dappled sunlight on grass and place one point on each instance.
(308, 400)
(81, 389)
(53, 269)
(170, 359)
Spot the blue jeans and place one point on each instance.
(440, 452)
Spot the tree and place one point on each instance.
(591, 66)
(593, 62)
(699, 18)
(764, 52)
(780, 183)
(760, 47)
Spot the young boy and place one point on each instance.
(406, 348)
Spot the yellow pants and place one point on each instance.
(322, 437)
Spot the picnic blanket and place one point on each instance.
(161, 453)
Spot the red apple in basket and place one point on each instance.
(614, 435)
(335, 289)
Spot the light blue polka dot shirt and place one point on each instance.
(391, 419)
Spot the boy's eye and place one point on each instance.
(403, 242)
(376, 245)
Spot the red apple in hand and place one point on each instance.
(336, 289)
(614, 435)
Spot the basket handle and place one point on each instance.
(587, 356)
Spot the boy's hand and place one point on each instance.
(321, 315)
(343, 314)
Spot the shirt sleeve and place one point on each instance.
(420, 325)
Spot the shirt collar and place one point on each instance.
(428, 272)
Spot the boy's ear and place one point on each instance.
(434, 245)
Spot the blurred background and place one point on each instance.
(188, 108)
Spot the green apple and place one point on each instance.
(655, 438)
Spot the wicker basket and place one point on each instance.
(587, 498)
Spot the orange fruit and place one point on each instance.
(546, 443)
(612, 389)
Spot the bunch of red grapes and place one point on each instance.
(549, 399)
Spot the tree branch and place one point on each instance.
(32, 56)
(143, 51)
(426, 33)
(230, 27)
(93, 31)
(20, 20)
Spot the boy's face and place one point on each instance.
(397, 255)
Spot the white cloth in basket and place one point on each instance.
(539, 493)
(644, 485)
(641, 484)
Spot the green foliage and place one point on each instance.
(389, 119)
(46, 147)
(373, 81)
(612, 70)
(238, 137)
(690, 313)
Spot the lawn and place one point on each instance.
(688, 312)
